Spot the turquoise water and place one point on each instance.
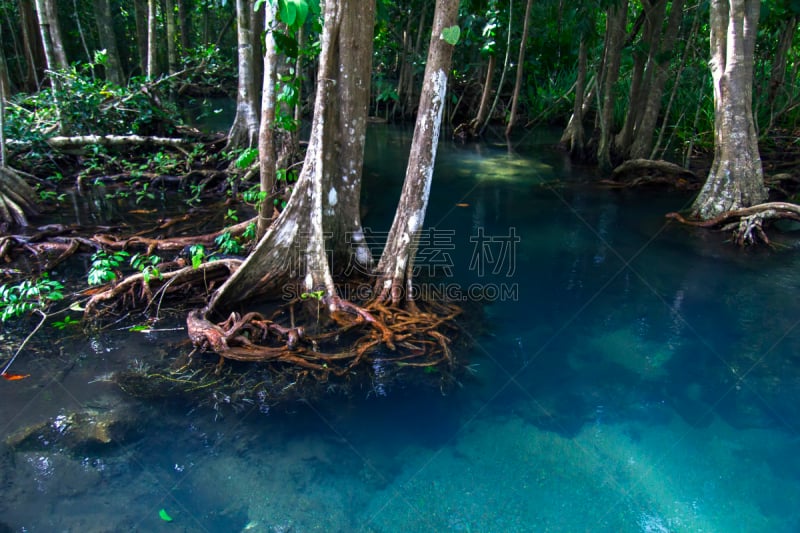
(634, 376)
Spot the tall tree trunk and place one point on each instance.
(573, 137)
(32, 44)
(185, 24)
(395, 269)
(51, 35)
(656, 74)
(736, 178)
(141, 16)
(172, 51)
(325, 196)
(615, 37)
(152, 39)
(244, 131)
(512, 117)
(483, 108)
(502, 72)
(267, 158)
(644, 55)
(108, 40)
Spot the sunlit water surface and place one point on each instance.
(633, 376)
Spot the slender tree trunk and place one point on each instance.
(141, 15)
(502, 72)
(32, 43)
(573, 136)
(108, 40)
(172, 51)
(51, 35)
(81, 33)
(736, 178)
(615, 37)
(185, 24)
(267, 158)
(643, 56)
(483, 109)
(512, 117)
(395, 269)
(656, 73)
(152, 39)
(244, 131)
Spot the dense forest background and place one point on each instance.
(639, 70)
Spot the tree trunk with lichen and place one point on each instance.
(736, 178)
(244, 131)
(324, 204)
(395, 269)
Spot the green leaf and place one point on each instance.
(247, 158)
(288, 12)
(164, 516)
(451, 35)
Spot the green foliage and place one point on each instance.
(316, 295)
(254, 195)
(27, 296)
(246, 158)
(147, 265)
(66, 323)
(451, 35)
(105, 266)
(249, 232)
(198, 254)
(228, 244)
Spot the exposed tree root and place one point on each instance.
(349, 337)
(135, 290)
(746, 223)
(643, 172)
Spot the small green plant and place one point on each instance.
(249, 232)
(51, 196)
(27, 296)
(228, 244)
(147, 265)
(255, 196)
(198, 254)
(105, 266)
(232, 216)
(144, 193)
(316, 295)
(66, 323)
(246, 158)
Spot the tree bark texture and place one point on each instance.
(736, 177)
(108, 40)
(267, 159)
(244, 131)
(512, 117)
(573, 137)
(615, 37)
(152, 39)
(294, 246)
(395, 268)
(35, 60)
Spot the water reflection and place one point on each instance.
(644, 378)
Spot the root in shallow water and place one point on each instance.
(348, 338)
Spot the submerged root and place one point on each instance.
(350, 337)
(746, 224)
